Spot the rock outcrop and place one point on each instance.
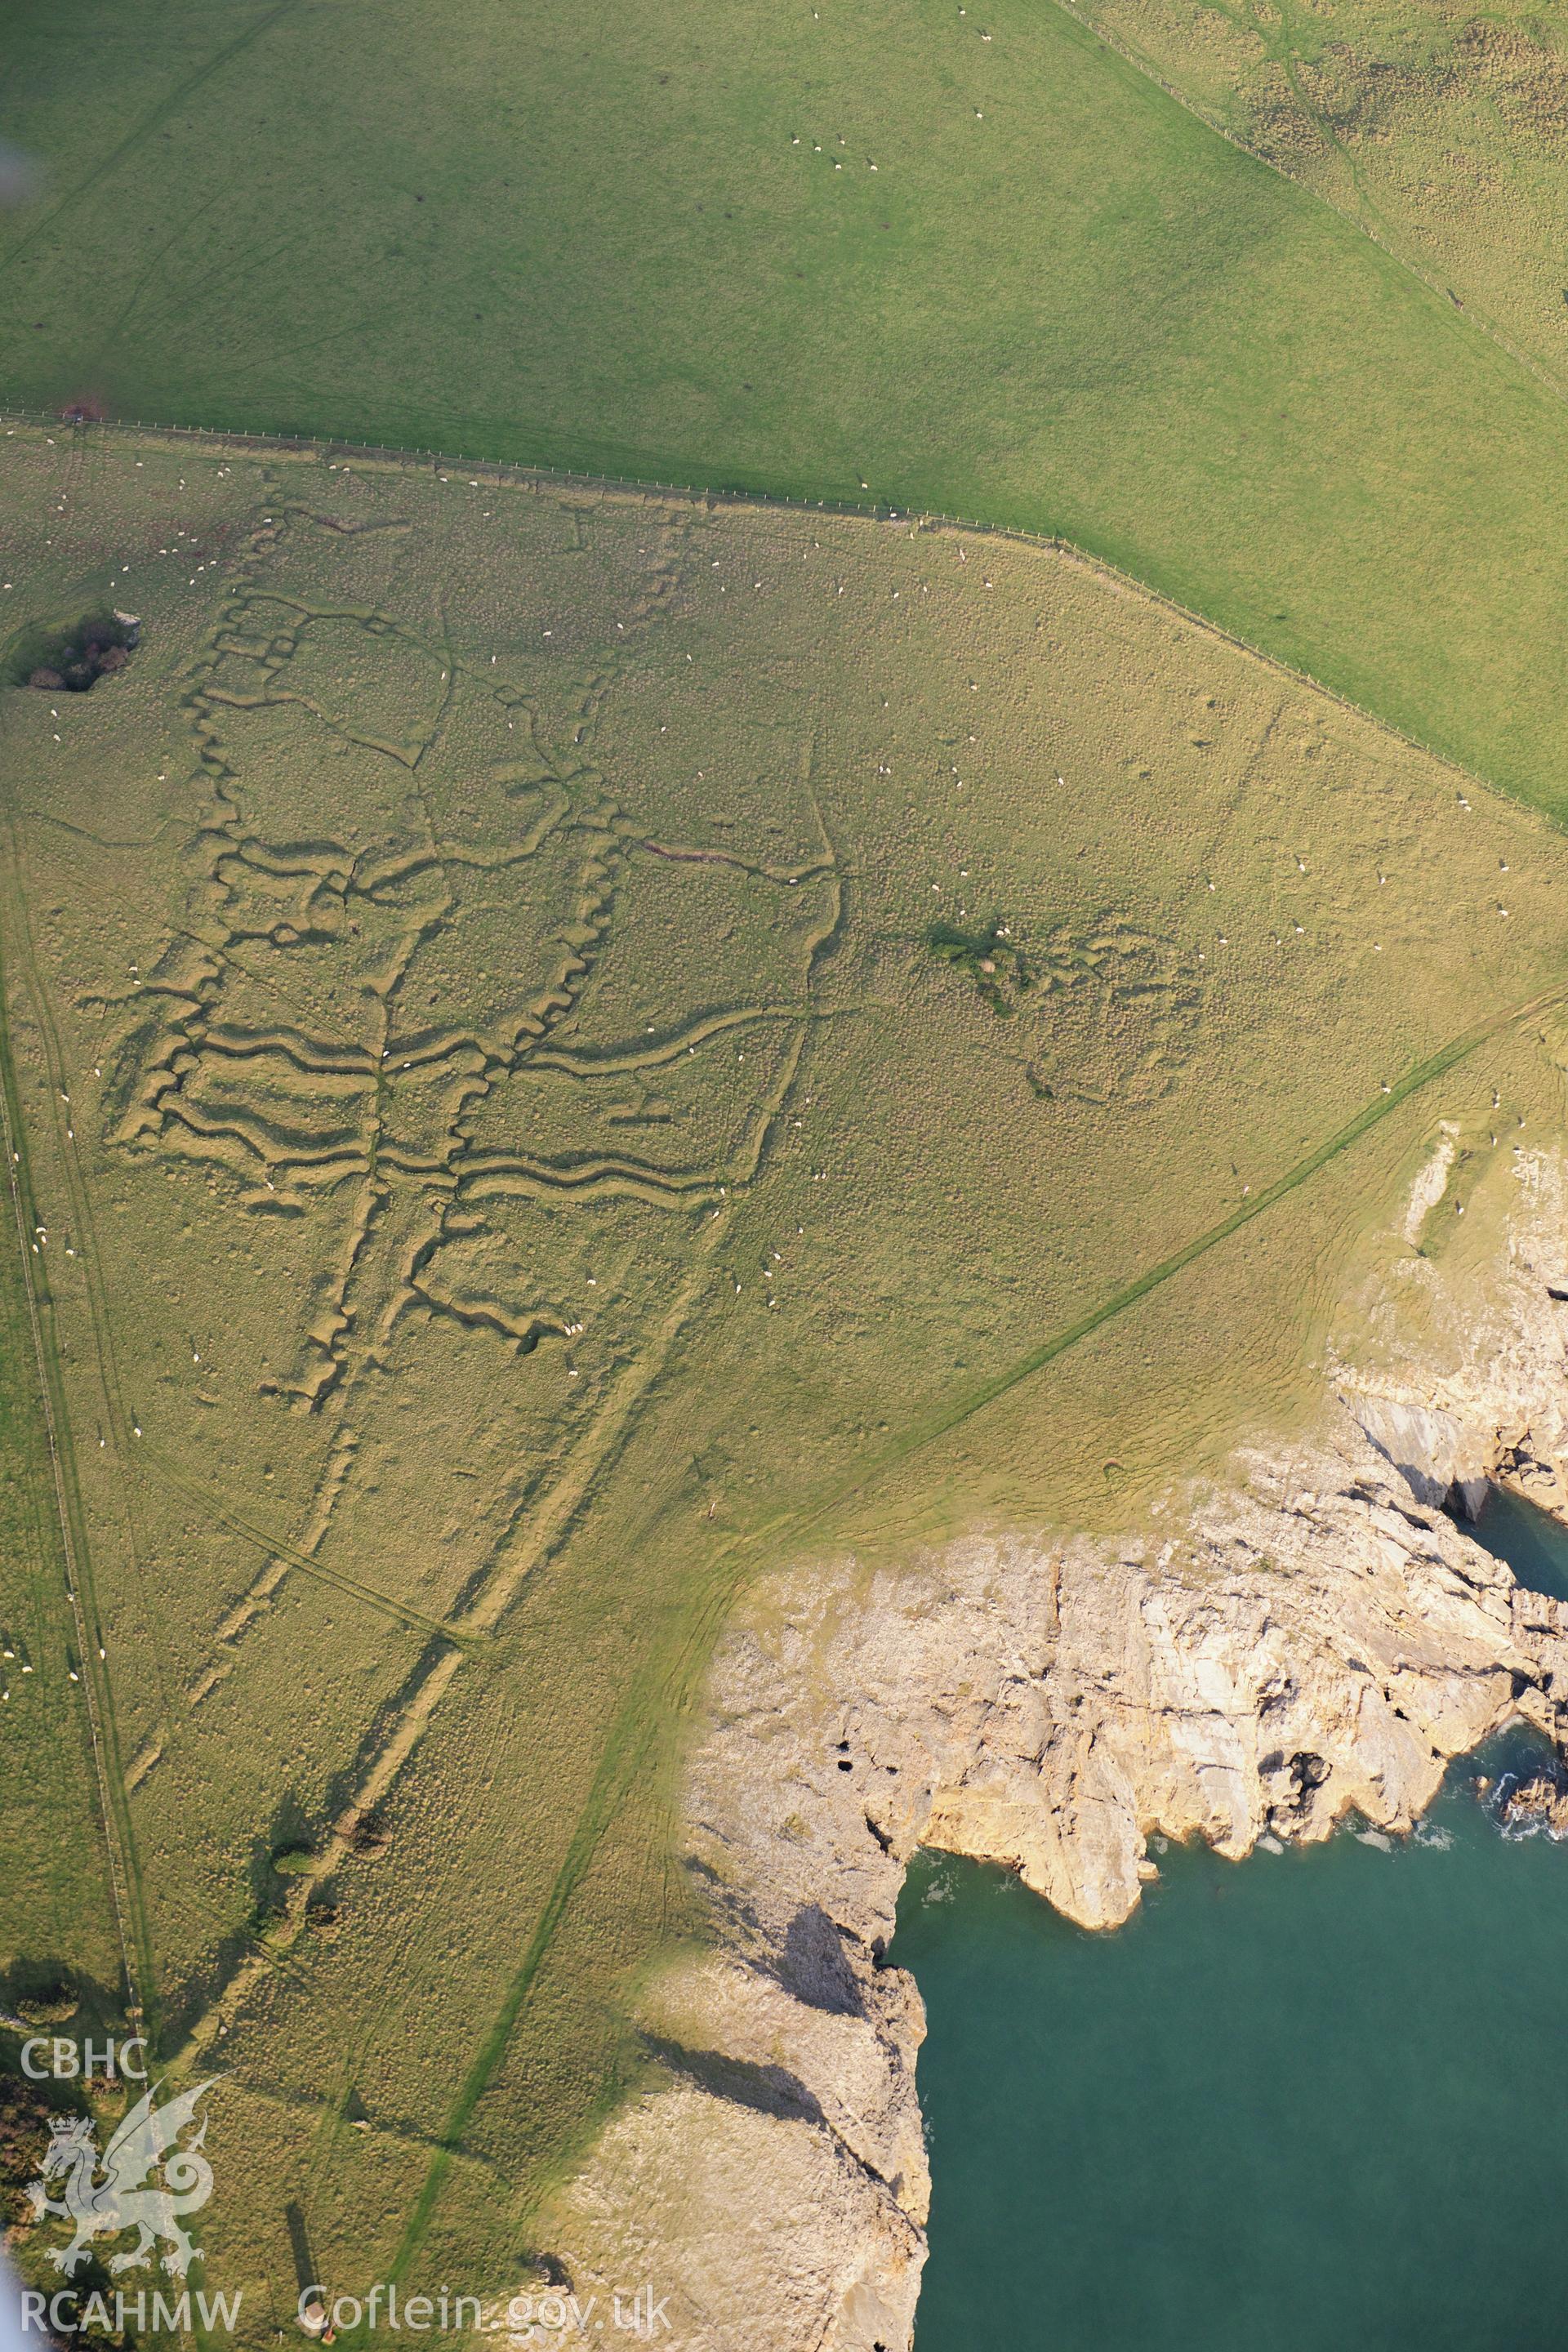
(1539, 1802)
(1315, 1638)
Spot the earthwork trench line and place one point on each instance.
(667, 1684)
(208, 1503)
(116, 1419)
(559, 1510)
(544, 481)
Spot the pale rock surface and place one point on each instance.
(1539, 1802)
(1315, 1638)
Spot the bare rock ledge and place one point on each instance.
(1315, 1638)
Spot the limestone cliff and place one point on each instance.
(1314, 1637)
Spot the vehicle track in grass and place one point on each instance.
(113, 1779)
(125, 1884)
(143, 129)
(673, 1676)
(353, 1588)
(138, 1456)
(547, 1529)
(117, 1778)
(670, 1679)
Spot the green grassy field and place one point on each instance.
(1440, 130)
(58, 1932)
(653, 243)
(563, 1047)
(518, 1154)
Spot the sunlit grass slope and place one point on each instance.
(58, 1929)
(515, 1159)
(652, 241)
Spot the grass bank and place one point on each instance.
(975, 261)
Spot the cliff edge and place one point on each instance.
(1314, 1636)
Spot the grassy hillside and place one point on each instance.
(58, 1934)
(1442, 129)
(652, 241)
(569, 1044)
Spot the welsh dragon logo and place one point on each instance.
(106, 2197)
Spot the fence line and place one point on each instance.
(541, 478)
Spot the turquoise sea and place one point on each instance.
(1313, 2102)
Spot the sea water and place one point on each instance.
(1313, 2102)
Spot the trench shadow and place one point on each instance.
(289, 1833)
(300, 2246)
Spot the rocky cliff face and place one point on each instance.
(1315, 1638)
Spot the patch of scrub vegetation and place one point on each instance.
(51, 2004)
(70, 658)
(986, 269)
(508, 1161)
(26, 2112)
(992, 958)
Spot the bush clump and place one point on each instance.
(49, 2004)
(71, 660)
(999, 970)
